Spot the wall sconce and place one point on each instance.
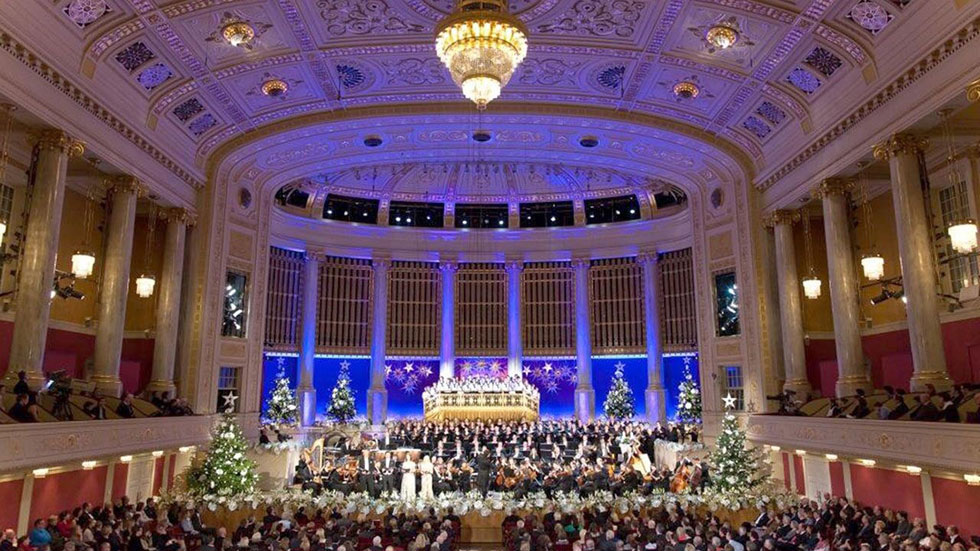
(972, 479)
(868, 462)
(831, 457)
(40, 473)
(157, 453)
(913, 470)
(88, 465)
(801, 452)
(126, 458)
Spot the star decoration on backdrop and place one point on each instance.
(279, 361)
(425, 370)
(387, 370)
(345, 364)
(409, 367)
(729, 401)
(619, 365)
(547, 367)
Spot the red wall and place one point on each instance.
(837, 478)
(119, 476)
(10, 503)
(891, 489)
(890, 355)
(956, 505)
(158, 466)
(800, 478)
(57, 492)
(786, 479)
(68, 350)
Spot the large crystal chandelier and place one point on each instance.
(481, 45)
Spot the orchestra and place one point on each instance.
(430, 459)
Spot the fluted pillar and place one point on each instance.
(915, 250)
(790, 307)
(515, 348)
(447, 338)
(377, 394)
(584, 392)
(843, 287)
(305, 392)
(655, 395)
(36, 273)
(168, 302)
(115, 284)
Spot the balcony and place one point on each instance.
(951, 446)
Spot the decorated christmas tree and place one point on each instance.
(341, 406)
(688, 397)
(735, 466)
(619, 402)
(226, 471)
(281, 407)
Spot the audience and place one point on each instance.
(824, 525)
(27, 406)
(929, 405)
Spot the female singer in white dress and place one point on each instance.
(426, 469)
(408, 478)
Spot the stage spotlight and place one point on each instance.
(885, 295)
(900, 295)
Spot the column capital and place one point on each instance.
(581, 263)
(179, 215)
(313, 255)
(448, 265)
(973, 91)
(127, 184)
(648, 257)
(380, 263)
(898, 144)
(832, 186)
(780, 217)
(59, 140)
(514, 266)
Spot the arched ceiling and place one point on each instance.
(176, 89)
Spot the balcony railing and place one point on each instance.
(954, 446)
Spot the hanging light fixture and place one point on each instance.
(811, 283)
(275, 87)
(146, 281)
(962, 230)
(238, 33)
(872, 263)
(721, 36)
(481, 44)
(686, 90)
(83, 260)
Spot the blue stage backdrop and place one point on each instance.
(406, 378)
(674, 367)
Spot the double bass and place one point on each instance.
(681, 479)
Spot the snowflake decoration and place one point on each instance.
(806, 81)
(409, 385)
(398, 374)
(551, 387)
(202, 124)
(154, 76)
(85, 12)
(134, 56)
(823, 60)
(770, 112)
(425, 371)
(563, 373)
(187, 110)
(757, 127)
(871, 16)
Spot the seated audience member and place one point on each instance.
(949, 411)
(900, 408)
(23, 411)
(40, 537)
(974, 416)
(925, 410)
(21, 386)
(125, 408)
(95, 409)
(861, 409)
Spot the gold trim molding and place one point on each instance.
(833, 186)
(973, 91)
(782, 216)
(58, 140)
(899, 144)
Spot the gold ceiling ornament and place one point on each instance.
(481, 44)
(275, 88)
(238, 33)
(781, 216)
(721, 36)
(832, 186)
(897, 144)
(973, 91)
(686, 89)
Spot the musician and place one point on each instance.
(484, 464)
(366, 474)
(388, 467)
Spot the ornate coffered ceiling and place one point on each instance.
(164, 68)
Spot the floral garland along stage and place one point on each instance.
(362, 503)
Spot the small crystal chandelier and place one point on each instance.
(6, 110)
(686, 90)
(144, 285)
(721, 36)
(962, 231)
(83, 260)
(481, 44)
(811, 283)
(275, 88)
(873, 264)
(238, 33)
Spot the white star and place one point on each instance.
(230, 400)
(387, 369)
(280, 361)
(344, 364)
(619, 365)
(729, 401)
(409, 366)
(547, 366)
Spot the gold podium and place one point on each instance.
(507, 406)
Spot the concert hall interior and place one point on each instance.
(534, 275)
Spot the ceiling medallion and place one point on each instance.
(481, 44)
(685, 90)
(721, 36)
(275, 88)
